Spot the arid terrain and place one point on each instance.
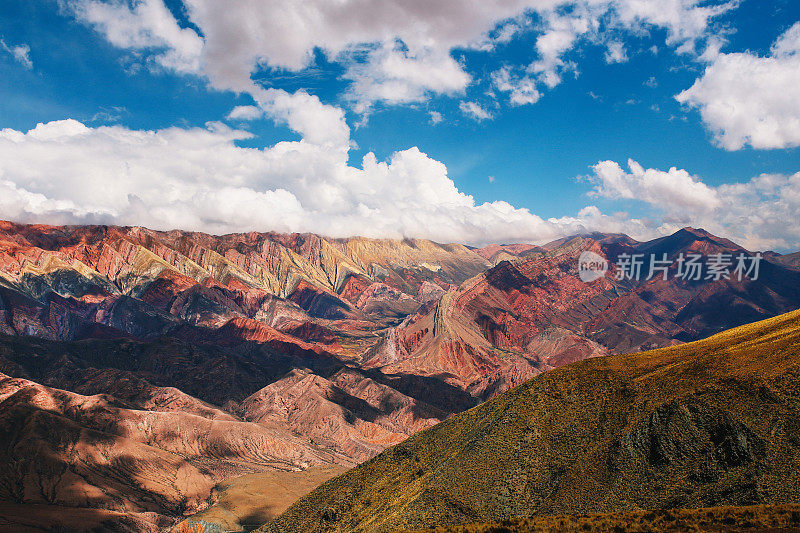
(755, 518)
(706, 424)
(254, 499)
(151, 376)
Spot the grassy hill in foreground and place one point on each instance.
(705, 424)
(760, 518)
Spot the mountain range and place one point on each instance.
(141, 368)
(706, 424)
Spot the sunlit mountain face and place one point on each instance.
(278, 353)
(247, 248)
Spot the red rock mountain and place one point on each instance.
(507, 252)
(143, 367)
(69, 450)
(524, 317)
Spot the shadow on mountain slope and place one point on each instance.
(704, 424)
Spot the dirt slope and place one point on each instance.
(65, 449)
(703, 424)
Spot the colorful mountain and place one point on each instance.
(521, 318)
(704, 424)
(340, 347)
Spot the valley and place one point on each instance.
(149, 377)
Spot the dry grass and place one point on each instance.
(705, 424)
(753, 518)
(248, 501)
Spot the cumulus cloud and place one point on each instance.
(616, 53)
(149, 25)
(787, 44)
(21, 53)
(245, 112)
(65, 171)
(686, 21)
(394, 75)
(199, 179)
(753, 213)
(408, 44)
(569, 23)
(304, 113)
(474, 111)
(143, 25)
(560, 34)
(748, 99)
(521, 89)
(675, 191)
(760, 212)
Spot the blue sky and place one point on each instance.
(528, 170)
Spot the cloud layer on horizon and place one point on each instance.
(753, 214)
(199, 179)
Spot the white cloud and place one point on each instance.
(754, 213)
(392, 52)
(560, 34)
(590, 219)
(393, 75)
(747, 99)
(616, 53)
(198, 179)
(436, 117)
(788, 44)
(143, 25)
(304, 113)
(474, 111)
(245, 112)
(686, 21)
(21, 53)
(283, 35)
(522, 90)
(675, 191)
